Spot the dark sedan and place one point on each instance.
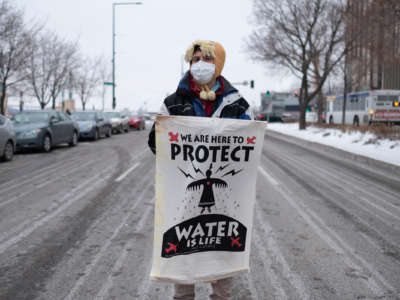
(44, 130)
(92, 125)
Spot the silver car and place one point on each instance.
(7, 139)
(120, 122)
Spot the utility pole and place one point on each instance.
(114, 100)
(113, 58)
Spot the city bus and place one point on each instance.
(378, 106)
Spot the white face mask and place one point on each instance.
(202, 72)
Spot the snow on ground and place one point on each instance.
(355, 142)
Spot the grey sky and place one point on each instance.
(151, 39)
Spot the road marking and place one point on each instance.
(126, 173)
(268, 177)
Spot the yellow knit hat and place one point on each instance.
(214, 50)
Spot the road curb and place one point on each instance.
(345, 154)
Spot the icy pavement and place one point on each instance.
(355, 142)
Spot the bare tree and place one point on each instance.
(294, 34)
(316, 79)
(50, 62)
(88, 80)
(15, 39)
(64, 61)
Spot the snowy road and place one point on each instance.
(77, 224)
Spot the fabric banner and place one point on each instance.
(206, 171)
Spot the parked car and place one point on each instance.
(92, 124)
(120, 122)
(44, 130)
(7, 139)
(137, 122)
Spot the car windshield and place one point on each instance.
(31, 117)
(83, 116)
(113, 114)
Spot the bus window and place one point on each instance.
(390, 98)
(362, 103)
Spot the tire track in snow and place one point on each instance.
(90, 267)
(374, 281)
(55, 210)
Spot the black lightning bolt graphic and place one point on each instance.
(233, 172)
(186, 174)
(197, 170)
(221, 168)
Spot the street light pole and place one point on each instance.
(114, 100)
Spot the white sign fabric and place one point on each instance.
(206, 171)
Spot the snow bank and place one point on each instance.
(355, 142)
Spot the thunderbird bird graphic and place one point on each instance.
(207, 199)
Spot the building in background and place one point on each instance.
(68, 104)
(374, 61)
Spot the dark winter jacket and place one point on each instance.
(228, 104)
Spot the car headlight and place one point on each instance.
(31, 133)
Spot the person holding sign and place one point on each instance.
(203, 92)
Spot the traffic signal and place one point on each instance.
(396, 103)
(268, 94)
(252, 84)
(296, 93)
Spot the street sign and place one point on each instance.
(108, 83)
